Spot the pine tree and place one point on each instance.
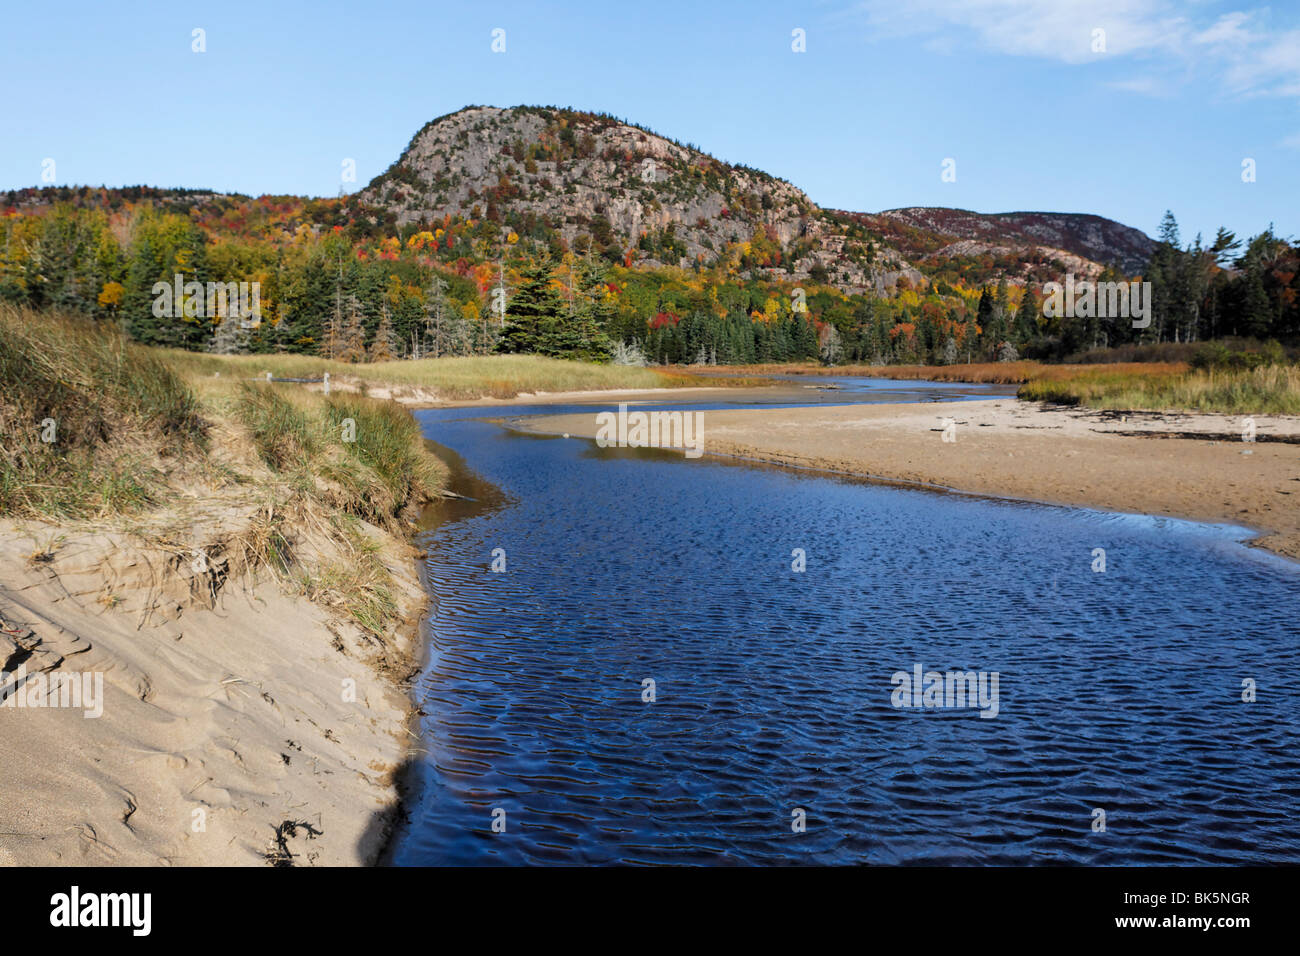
(948, 355)
(1255, 309)
(1027, 315)
(804, 338)
(990, 326)
(1162, 272)
(229, 336)
(589, 313)
(332, 337)
(1001, 303)
(1257, 312)
(485, 336)
(533, 312)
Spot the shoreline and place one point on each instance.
(416, 399)
(1012, 449)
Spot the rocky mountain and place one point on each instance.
(1094, 238)
(596, 182)
(601, 183)
(581, 172)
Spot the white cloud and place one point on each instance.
(1053, 29)
(1266, 64)
(1230, 31)
(1242, 50)
(1145, 85)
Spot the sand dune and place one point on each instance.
(223, 713)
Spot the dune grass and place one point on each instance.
(346, 458)
(363, 456)
(92, 426)
(88, 421)
(279, 426)
(381, 437)
(358, 584)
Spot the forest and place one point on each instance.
(341, 281)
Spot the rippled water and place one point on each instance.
(1118, 690)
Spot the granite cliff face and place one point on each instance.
(574, 169)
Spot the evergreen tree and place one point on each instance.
(1027, 315)
(832, 347)
(332, 339)
(582, 334)
(804, 342)
(1253, 309)
(533, 312)
(948, 355)
(229, 335)
(990, 325)
(1162, 271)
(1001, 303)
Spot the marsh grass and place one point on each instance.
(387, 441)
(1267, 390)
(279, 424)
(454, 379)
(992, 373)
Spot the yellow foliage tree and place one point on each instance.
(110, 297)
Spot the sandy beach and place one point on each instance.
(1005, 447)
(238, 723)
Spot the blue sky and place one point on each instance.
(1012, 90)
